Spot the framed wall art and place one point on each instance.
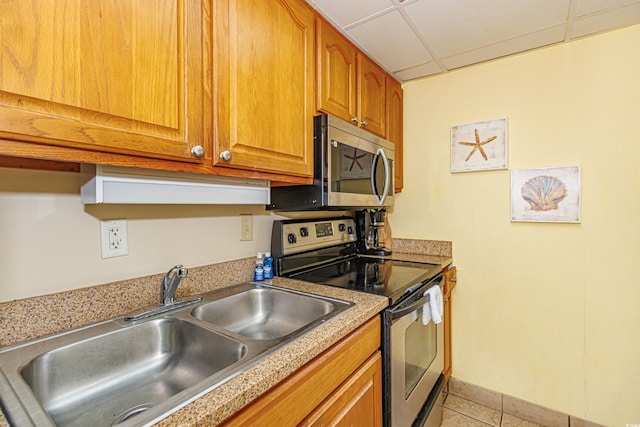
(546, 195)
(479, 146)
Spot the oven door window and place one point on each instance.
(420, 351)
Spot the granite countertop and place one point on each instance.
(443, 261)
(226, 400)
(41, 316)
(222, 402)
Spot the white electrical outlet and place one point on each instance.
(246, 227)
(113, 237)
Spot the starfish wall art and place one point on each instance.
(479, 146)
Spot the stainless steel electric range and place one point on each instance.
(325, 251)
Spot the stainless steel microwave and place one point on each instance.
(353, 168)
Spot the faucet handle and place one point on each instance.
(182, 271)
(170, 283)
(178, 269)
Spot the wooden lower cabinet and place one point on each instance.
(450, 279)
(357, 402)
(341, 386)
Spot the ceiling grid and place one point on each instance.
(418, 38)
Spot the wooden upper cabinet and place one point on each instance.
(394, 127)
(264, 85)
(372, 96)
(336, 83)
(119, 76)
(349, 84)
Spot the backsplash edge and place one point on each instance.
(31, 318)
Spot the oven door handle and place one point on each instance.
(403, 311)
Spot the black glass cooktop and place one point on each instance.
(379, 276)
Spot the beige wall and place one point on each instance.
(51, 242)
(546, 312)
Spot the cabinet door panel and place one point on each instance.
(450, 278)
(117, 75)
(358, 401)
(336, 85)
(291, 401)
(371, 87)
(394, 127)
(264, 72)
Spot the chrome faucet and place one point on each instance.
(167, 292)
(170, 284)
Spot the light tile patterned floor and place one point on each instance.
(460, 412)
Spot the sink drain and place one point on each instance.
(131, 412)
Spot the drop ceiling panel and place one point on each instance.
(345, 13)
(614, 18)
(507, 47)
(399, 49)
(419, 71)
(453, 27)
(417, 38)
(585, 7)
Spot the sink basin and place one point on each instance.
(266, 313)
(111, 378)
(131, 371)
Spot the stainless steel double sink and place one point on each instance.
(126, 373)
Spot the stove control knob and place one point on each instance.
(304, 231)
(350, 230)
(341, 227)
(291, 238)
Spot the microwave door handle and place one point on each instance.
(380, 199)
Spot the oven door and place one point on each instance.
(415, 359)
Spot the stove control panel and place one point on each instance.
(293, 236)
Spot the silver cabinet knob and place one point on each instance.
(354, 120)
(198, 151)
(225, 156)
(363, 123)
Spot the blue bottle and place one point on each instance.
(268, 266)
(258, 275)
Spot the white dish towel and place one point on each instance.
(432, 309)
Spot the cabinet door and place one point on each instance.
(450, 279)
(371, 96)
(394, 127)
(123, 76)
(357, 402)
(293, 399)
(263, 80)
(336, 70)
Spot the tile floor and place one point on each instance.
(468, 405)
(461, 412)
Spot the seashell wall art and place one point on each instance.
(546, 194)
